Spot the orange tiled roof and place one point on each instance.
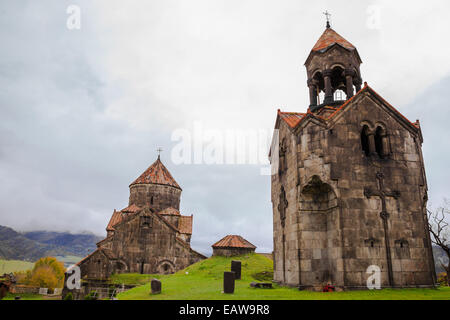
(133, 208)
(233, 241)
(115, 219)
(329, 38)
(157, 173)
(117, 216)
(292, 118)
(169, 212)
(185, 224)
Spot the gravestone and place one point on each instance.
(156, 286)
(236, 268)
(228, 282)
(57, 291)
(43, 290)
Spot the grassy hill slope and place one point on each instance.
(204, 281)
(7, 266)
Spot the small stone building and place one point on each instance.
(232, 245)
(149, 235)
(349, 189)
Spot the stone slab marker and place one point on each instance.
(228, 282)
(43, 290)
(236, 268)
(156, 286)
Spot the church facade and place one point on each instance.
(349, 189)
(149, 236)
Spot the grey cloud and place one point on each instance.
(83, 111)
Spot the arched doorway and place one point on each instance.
(120, 267)
(165, 267)
(319, 234)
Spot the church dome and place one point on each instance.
(157, 173)
(155, 188)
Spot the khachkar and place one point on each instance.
(349, 189)
(148, 236)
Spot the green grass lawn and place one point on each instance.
(204, 281)
(7, 266)
(133, 278)
(24, 296)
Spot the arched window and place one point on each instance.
(282, 206)
(282, 157)
(379, 136)
(340, 95)
(402, 249)
(372, 243)
(365, 140)
(321, 97)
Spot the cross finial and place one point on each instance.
(328, 15)
(159, 150)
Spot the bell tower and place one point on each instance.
(333, 70)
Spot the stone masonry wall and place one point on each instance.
(333, 228)
(158, 197)
(139, 248)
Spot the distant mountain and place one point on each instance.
(30, 246)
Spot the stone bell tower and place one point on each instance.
(332, 65)
(349, 191)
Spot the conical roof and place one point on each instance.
(157, 173)
(329, 38)
(233, 241)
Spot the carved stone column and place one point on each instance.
(372, 148)
(328, 88)
(358, 84)
(349, 74)
(385, 145)
(312, 94)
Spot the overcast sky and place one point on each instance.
(83, 110)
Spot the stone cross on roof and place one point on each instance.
(328, 15)
(159, 150)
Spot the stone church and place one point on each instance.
(149, 236)
(349, 188)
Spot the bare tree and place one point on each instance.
(440, 232)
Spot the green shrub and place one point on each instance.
(91, 296)
(69, 296)
(442, 279)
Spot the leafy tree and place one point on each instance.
(55, 265)
(23, 277)
(44, 277)
(47, 273)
